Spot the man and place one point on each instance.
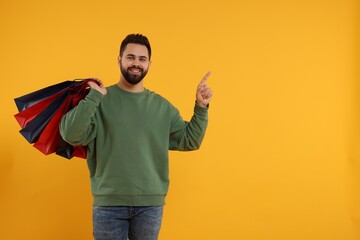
(128, 131)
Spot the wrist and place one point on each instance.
(202, 105)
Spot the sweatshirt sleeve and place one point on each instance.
(187, 136)
(78, 126)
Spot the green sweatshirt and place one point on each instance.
(128, 136)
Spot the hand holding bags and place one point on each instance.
(40, 113)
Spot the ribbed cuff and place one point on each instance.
(200, 109)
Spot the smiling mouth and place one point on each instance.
(135, 70)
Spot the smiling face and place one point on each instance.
(134, 63)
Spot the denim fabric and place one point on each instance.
(122, 223)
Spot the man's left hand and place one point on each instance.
(203, 93)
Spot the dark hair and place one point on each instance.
(137, 39)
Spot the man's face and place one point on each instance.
(135, 63)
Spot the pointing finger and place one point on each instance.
(205, 78)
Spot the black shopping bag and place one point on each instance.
(30, 99)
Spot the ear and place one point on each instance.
(119, 60)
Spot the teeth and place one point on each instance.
(136, 70)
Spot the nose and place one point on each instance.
(136, 62)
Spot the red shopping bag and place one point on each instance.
(79, 151)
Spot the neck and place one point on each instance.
(124, 85)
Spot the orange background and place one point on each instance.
(281, 157)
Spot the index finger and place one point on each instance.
(205, 78)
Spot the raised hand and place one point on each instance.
(203, 92)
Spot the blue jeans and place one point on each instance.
(122, 223)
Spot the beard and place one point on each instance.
(131, 78)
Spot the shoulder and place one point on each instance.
(160, 101)
(112, 88)
(157, 97)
